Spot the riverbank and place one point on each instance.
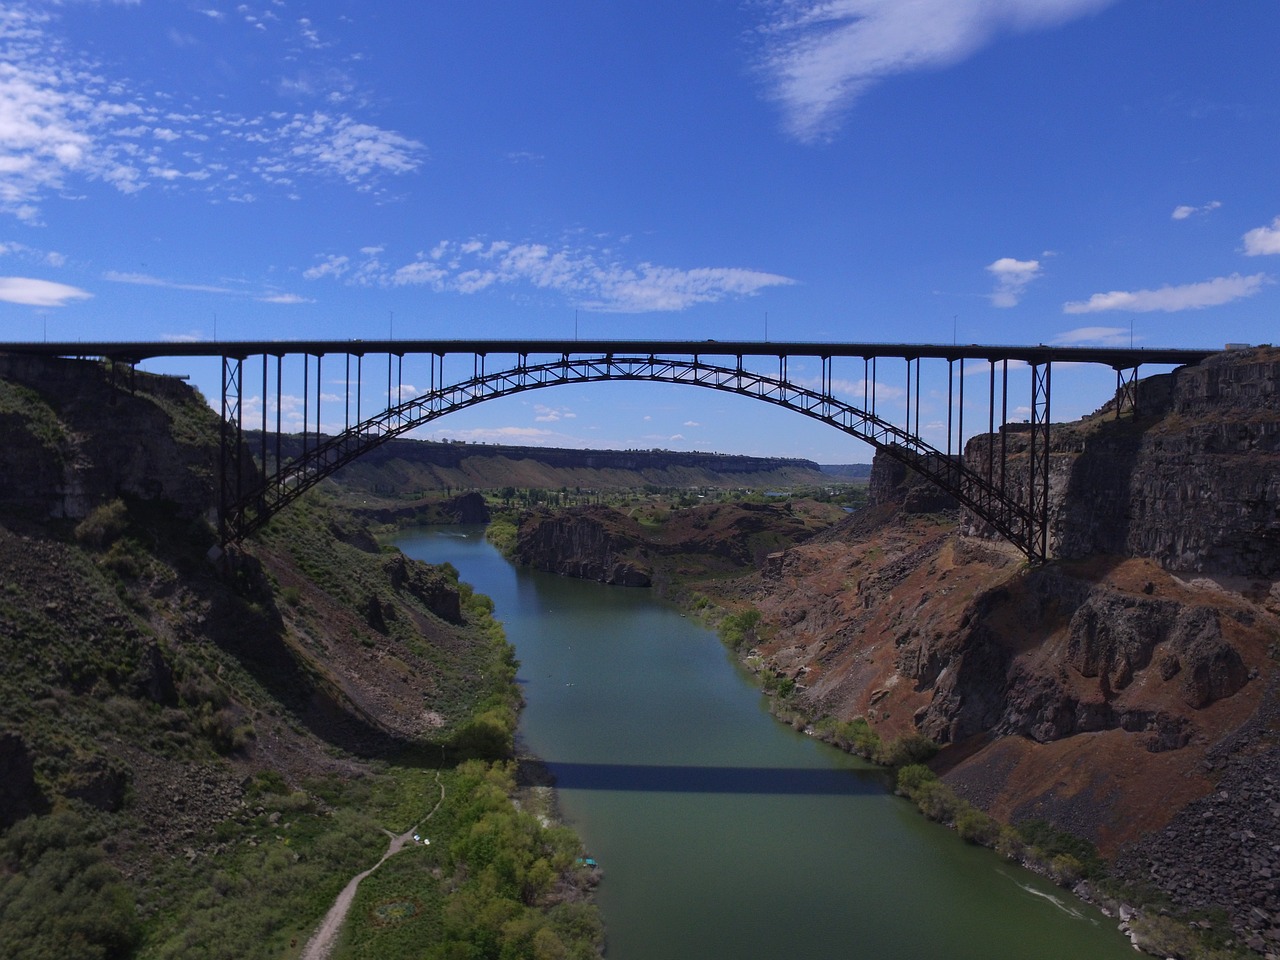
(731, 828)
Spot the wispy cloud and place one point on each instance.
(821, 55)
(1185, 212)
(146, 280)
(1261, 241)
(47, 258)
(39, 293)
(592, 279)
(1012, 277)
(545, 414)
(284, 298)
(64, 121)
(1095, 336)
(1171, 299)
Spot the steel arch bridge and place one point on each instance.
(1013, 520)
(1018, 509)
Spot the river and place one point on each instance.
(723, 834)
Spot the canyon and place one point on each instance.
(1125, 692)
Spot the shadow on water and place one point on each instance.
(699, 779)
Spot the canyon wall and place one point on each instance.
(1128, 691)
(1190, 482)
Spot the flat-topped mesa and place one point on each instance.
(1189, 482)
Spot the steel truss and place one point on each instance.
(1023, 520)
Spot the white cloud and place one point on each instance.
(331, 266)
(547, 414)
(63, 120)
(1170, 299)
(39, 293)
(1095, 336)
(285, 298)
(352, 150)
(1012, 277)
(146, 280)
(1261, 241)
(823, 54)
(1184, 211)
(592, 279)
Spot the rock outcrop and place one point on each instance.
(59, 463)
(1190, 481)
(1126, 691)
(590, 543)
(707, 540)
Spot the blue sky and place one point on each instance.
(994, 171)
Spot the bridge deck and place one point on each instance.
(134, 351)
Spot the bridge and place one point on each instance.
(1005, 483)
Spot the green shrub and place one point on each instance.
(974, 826)
(502, 532)
(58, 897)
(907, 749)
(1009, 843)
(1045, 842)
(937, 801)
(738, 630)
(104, 525)
(912, 778)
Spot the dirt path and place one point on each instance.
(321, 943)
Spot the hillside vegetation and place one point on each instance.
(196, 756)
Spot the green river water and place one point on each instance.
(723, 834)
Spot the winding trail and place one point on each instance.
(321, 943)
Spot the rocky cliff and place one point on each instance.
(590, 543)
(708, 540)
(59, 462)
(1190, 481)
(1126, 691)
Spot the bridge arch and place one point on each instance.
(245, 510)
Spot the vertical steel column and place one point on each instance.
(306, 400)
(866, 367)
(991, 422)
(319, 390)
(346, 396)
(1004, 424)
(229, 456)
(951, 383)
(907, 425)
(960, 413)
(359, 384)
(916, 431)
(1038, 502)
(262, 447)
(873, 386)
(279, 418)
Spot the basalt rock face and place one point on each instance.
(1190, 481)
(62, 464)
(1127, 691)
(436, 591)
(679, 547)
(1108, 660)
(590, 543)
